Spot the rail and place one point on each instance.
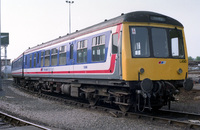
(12, 121)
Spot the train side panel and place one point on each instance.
(106, 69)
(17, 67)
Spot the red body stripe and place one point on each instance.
(118, 30)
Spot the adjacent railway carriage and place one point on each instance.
(135, 60)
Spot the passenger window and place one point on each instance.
(38, 59)
(177, 47)
(19, 63)
(82, 51)
(47, 58)
(98, 48)
(30, 61)
(62, 55)
(139, 42)
(115, 43)
(41, 59)
(26, 61)
(71, 51)
(35, 55)
(54, 53)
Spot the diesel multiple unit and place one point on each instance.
(138, 59)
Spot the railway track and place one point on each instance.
(12, 123)
(183, 119)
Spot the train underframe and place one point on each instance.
(136, 95)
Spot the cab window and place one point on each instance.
(139, 42)
(160, 42)
(177, 47)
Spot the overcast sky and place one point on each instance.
(32, 22)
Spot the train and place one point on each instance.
(137, 60)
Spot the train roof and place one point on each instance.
(146, 16)
(138, 16)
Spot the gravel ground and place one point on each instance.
(189, 101)
(62, 116)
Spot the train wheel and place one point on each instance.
(124, 108)
(40, 89)
(51, 88)
(93, 100)
(156, 108)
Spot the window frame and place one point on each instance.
(71, 52)
(54, 54)
(82, 47)
(149, 28)
(47, 58)
(97, 43)
(30, 60)
(61, 52)
(35, 60)
(42, 58)
(149, 45)
(180, 42)
(115, 38)
(154, 45)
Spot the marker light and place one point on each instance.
(180, 71)
(141, 70)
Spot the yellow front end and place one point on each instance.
(155, 68)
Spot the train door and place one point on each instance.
(116, 49)
(120, 54)
(25, 64)
(71, 57)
